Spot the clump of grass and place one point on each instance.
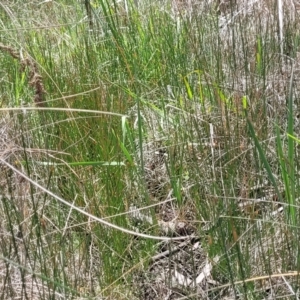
(148, 126)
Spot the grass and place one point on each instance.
(149, 151)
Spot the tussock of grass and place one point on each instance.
(149, 150)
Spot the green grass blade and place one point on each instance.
(291, 149)
(263, 158)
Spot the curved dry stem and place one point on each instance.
(72, 206)
(62, 109)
